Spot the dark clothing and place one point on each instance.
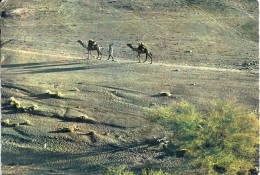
(91, 43)
(141, 47)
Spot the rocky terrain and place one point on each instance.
(65, 114)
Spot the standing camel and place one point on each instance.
(92, 45)
(140, 50)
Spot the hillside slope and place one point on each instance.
(204, 51)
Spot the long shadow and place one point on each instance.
(10, 86)
(39, 65)
(99, 66)
(6, 42)
(8, 109)
(21, 65)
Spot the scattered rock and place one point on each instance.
(68, 129)
(72, 114)
(22, 12)
(165, 94)
(76, 89)
(188, 51)
(5, 14)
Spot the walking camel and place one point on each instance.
(141, 50)
(92, 45)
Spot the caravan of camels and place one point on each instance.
(92, 45)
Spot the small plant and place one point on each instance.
(55, 95)
(17, 105)
(121, 170)
(27, 122)
(6, 122)
(91, 133)
(16, 124)
(153, 172)
(33, 107)
(68, 129)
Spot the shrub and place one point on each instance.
(55, 95)
(6, 122)
(91, 132)
(33, 107)
(68, 129)
(27, 122)
(153, 172)
(121, 170)
(17, 105)
(221, 140)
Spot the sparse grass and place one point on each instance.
(27, 122)
(33, 107)
(5, 122)
(91, 133)
(153, 172)
(122, 170)
(8, 123)
(68, 129)
(17, 105)
(55, 94)
(223, 139)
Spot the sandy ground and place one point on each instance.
(107, 101)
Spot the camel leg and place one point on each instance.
(99, 53)
(88, 54)
(145, 58)
(138, 56)
(151, 58)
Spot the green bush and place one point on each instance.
(121, 170)
(221, 140)
(54, 94)
(153, 172)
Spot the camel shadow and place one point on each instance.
(47, 69)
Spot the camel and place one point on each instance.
(91, 46)
(141, 51)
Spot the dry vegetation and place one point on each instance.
(96, 115)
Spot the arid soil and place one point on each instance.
(200, 56)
